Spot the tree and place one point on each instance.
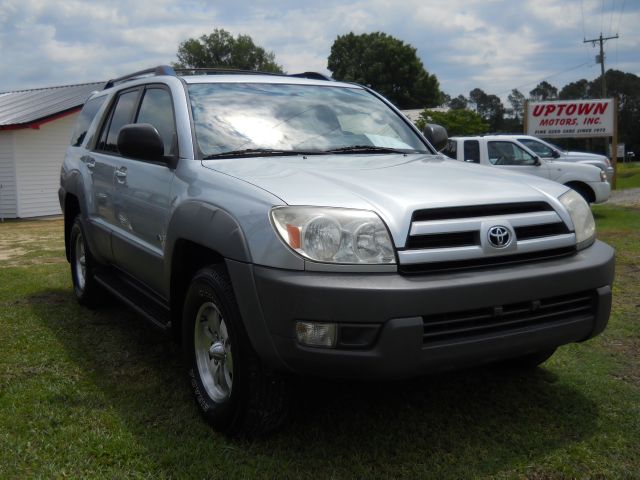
(387, 65)
(221, 50)
(544, 91)
(517, 99)
(457, 122)
(458, 103)
(489, 107)
(575, 90)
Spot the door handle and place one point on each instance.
(121, 174)
(90, 162)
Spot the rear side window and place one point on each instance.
(85, 118)
(121, 115)
(472, 151)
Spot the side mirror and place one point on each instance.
(141, 141)
(436, 134)
(538, 162)
(555, 154)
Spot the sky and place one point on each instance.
(495, 45)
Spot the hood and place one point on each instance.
(391, 185)
(585, 156)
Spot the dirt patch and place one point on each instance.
(629, 197)
(32, 241)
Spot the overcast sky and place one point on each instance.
(495, 45)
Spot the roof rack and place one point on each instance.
(167, 70)
(159, 70)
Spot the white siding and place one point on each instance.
(7, 176)
(39, 155)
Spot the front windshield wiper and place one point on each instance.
(371, 149)
(260, 152)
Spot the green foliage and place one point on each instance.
(544, 91)
(387, 65)
(457, 122)
(220, 49)
(489, 107)
(458, 103)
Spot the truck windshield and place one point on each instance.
(286, 118)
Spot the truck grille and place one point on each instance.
(457, 237)
(470, 323)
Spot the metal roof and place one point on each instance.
(28, 106)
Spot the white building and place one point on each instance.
(35, 128)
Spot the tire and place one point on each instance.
(83, 265)
(529, 361)
(234, 392)
(584, 192)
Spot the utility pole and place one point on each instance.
(600, 59)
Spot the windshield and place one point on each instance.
(281, 118)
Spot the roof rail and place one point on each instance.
(166, 70)
(159, 70)
(222, 71)
(311, 76)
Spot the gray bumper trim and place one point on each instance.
(398, 303)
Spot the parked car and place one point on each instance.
(508, 154)
(549, 151)
(279, 225)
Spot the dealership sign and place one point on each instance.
(571, 118)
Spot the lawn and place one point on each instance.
(96, 394)
(628, 175)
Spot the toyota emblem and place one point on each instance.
(499, 236)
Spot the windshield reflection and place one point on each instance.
(231, 117)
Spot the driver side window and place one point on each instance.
(507, 153)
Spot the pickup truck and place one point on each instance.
(549, 151)
(508, 154)
(278, 225)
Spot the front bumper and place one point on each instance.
(602, 191)
(400, 309)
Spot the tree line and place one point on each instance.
(393, 68)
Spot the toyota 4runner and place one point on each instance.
(292, 224)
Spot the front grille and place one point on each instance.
(498, 261)
(538, 231)
(459, 237)
(444, 240)
(448, 213)
(467, 324)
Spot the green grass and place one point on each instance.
(96, 394)
(628, 175)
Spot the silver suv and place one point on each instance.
(292, 224)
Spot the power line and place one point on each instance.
(546, 78)
(613, 9)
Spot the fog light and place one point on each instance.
(316, 334)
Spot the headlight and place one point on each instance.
(335, 235)
(581, 216)
(603, 176)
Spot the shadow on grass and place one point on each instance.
(463, 424)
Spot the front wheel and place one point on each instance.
(234, 392)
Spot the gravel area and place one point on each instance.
(629, 197)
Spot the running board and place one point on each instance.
(136, 296)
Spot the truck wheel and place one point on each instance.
(583, 191)
(86, 289)
(234, 392)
